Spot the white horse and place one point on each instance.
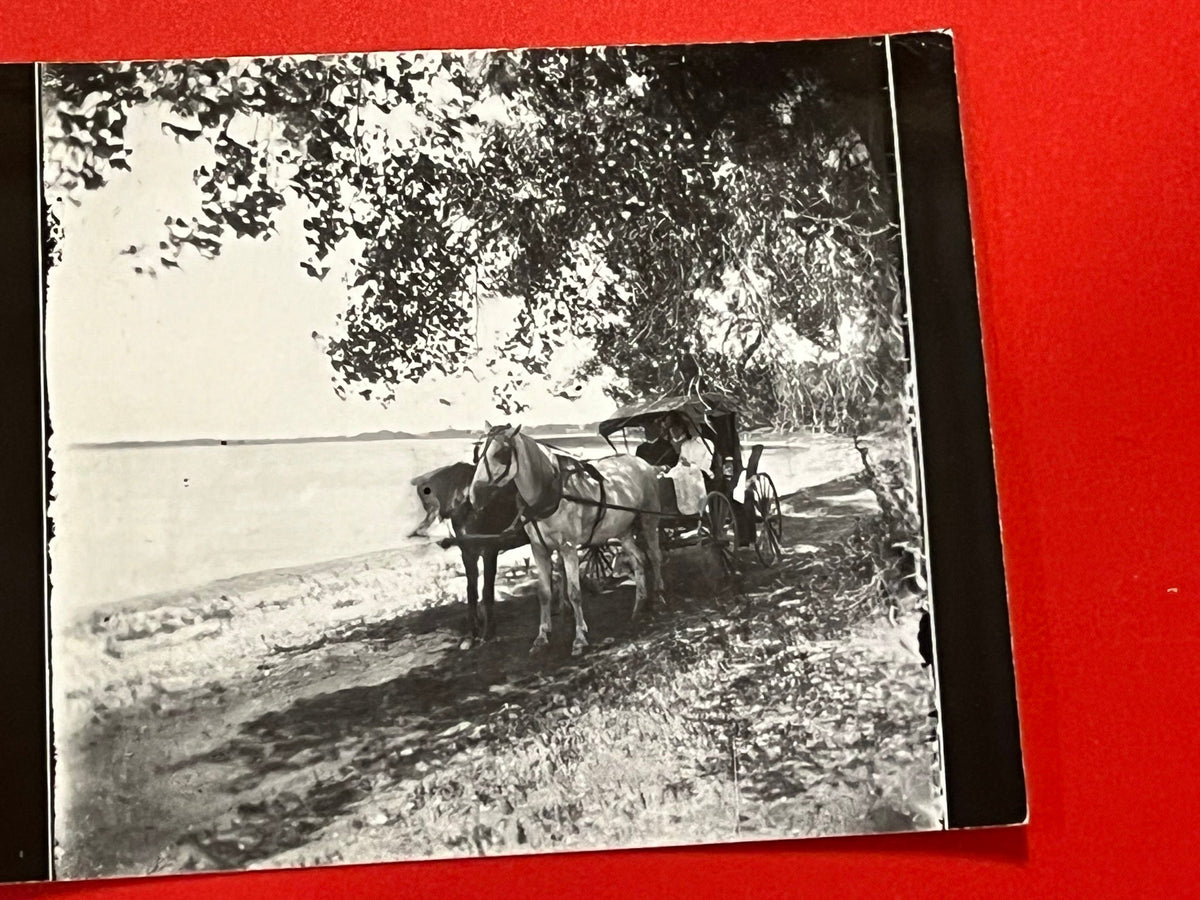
(568, 504)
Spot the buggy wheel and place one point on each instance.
(768, 521)
(598, 566)
(718, 531)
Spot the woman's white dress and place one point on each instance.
(695, 458)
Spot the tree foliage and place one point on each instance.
(724, 205)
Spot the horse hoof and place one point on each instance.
(538, 646)
(579, 646)
(466, 644)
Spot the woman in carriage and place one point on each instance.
(696, 465)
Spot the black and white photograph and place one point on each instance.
(459, 453)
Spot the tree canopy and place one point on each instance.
(721, 209)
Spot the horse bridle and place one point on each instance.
(482, 454)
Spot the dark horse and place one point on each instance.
(445, 495)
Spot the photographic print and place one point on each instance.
(463, 453)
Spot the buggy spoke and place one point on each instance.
(768, 539)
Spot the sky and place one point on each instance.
(223, 348)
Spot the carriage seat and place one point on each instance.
(756, 453)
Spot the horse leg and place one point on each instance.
(489, 595)
(471, 566)
(570, 558)
(557, 606)
(543, 557)
(638, 558)
(654, 553)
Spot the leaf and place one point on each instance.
(179, 131)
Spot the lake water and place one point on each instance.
(144, 520)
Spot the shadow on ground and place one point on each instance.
(233, 780)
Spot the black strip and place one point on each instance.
(24, 796)
(985, 782)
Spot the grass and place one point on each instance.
(761, 715)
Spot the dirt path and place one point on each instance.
(380, 739)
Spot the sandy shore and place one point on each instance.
(159, 645)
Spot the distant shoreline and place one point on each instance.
(448, 434)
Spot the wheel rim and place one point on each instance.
(718, 531)
(598, 564)
(768, 521)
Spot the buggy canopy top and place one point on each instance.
(699, 408)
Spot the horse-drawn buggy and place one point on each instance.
(739, 506)
(685, 484)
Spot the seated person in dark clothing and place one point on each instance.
(657, 449)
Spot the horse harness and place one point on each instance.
(565, 466)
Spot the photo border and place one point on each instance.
(981, 740)
(25, 797)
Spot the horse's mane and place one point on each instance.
(455, 471)
(537, 459)
(530, 457)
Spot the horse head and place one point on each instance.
(442, 493)
(496, 461)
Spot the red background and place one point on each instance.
(1082, 127)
